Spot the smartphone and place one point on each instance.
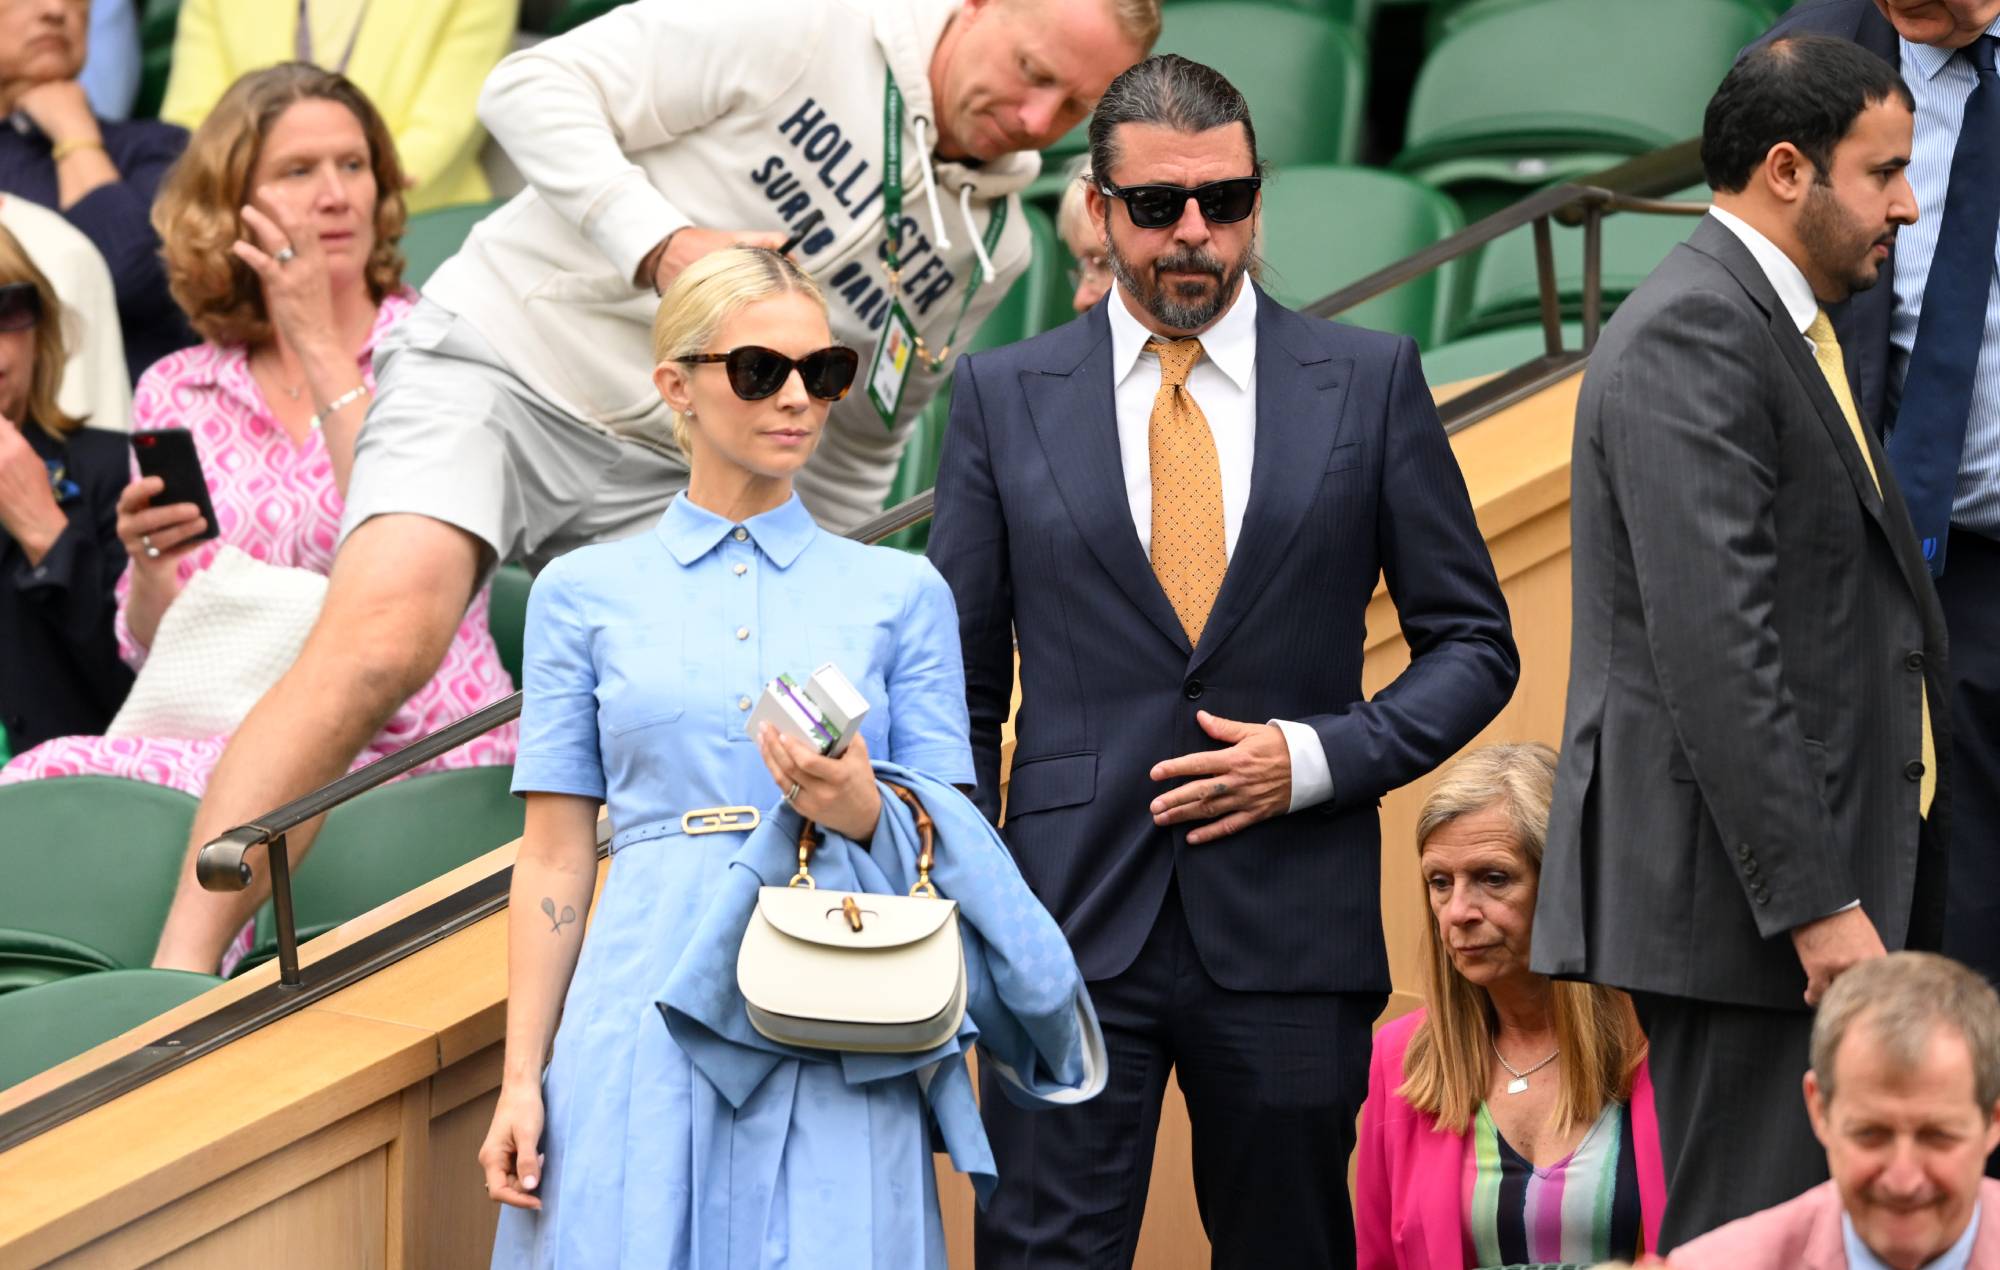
(170, 455)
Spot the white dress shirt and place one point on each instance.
(1223, 382)
(1956, 1257)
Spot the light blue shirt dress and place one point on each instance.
(643, 659)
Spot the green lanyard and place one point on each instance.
(892, 214)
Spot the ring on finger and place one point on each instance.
(284, 255)
(146, 541)
(796, 787)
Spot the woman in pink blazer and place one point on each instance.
(1511, 1120)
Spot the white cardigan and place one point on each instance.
(751, 115)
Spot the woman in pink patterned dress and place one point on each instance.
(280, 227)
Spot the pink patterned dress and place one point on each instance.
(275, 499)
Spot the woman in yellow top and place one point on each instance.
(421, 64)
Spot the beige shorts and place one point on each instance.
(453, 435)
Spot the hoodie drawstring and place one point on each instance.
(930, 183)
(972, 232)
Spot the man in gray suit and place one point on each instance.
(1757, 656)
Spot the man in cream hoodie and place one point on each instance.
(515, 417)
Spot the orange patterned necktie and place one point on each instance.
(1190, 550)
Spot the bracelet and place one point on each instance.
(340, 403)
(64, 149)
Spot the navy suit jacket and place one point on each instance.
(1862, 320)
(1353, 479)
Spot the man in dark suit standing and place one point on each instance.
(1178, 505)
(1757, 655)
(1926, 351)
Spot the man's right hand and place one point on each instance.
(685, 246)
(1829, 946)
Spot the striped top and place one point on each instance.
(1583, 1208)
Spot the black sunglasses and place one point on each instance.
(756, 372)
(20, 306)
(1158, 206)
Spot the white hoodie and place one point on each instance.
(738, 114)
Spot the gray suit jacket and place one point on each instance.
(1751, 619)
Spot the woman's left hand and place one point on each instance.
(836, 793)
(28, 508)
(298, 294)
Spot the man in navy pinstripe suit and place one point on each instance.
(1179, 505)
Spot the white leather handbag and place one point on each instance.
(851, 970)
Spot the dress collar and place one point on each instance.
(1929, 60)
(690, 532)
(1787, 279)
(1231, 342)
(1957, 1257)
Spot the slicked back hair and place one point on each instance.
(1805, 89)
(1169, 90)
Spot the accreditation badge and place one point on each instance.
(895, 359)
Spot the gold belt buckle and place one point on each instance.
(720, 820)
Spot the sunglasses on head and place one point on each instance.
(756, 372)
(20, 306)
(1158, 206)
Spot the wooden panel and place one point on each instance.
(191, 1126)
(248, 1189)
(459, 1219)
(335, 1223)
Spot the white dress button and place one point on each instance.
(741, 569)
(742, 703)
(743, 632)
(740, 534)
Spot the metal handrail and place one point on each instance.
(1628, 187)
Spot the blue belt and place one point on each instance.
(695, 824)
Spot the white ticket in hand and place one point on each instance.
(824, 712)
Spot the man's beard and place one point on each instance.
(1181, 312)
(1837, 243)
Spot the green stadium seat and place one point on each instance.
(54, 1022)
(1506, 290)
(1326, 227)
(1038, 300)
(1447, 16)
(1303, 73)
(91, 863)
(391, 840)
(1530, 94)
(1491, 352)
(157, 22)
(575, 13)
(431, 238)
(507, 614)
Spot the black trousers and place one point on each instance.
(1734, 1136)
(1970, 593)
(1273, 1083)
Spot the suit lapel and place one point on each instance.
(1076, 419)
(1301, 393)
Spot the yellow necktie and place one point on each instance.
(1826, 351)
(1190, 551)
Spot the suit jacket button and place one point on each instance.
(1743, 852)
(1193, 690)
(1750, 868)
(1914, 770)
(1915, 661)
(1763, 896)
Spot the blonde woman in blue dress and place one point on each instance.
(643, 660)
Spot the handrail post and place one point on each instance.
(1545, 277)
(1593, 274)
(281, 902)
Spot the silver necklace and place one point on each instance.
(1519, 1085)
(287, 389)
